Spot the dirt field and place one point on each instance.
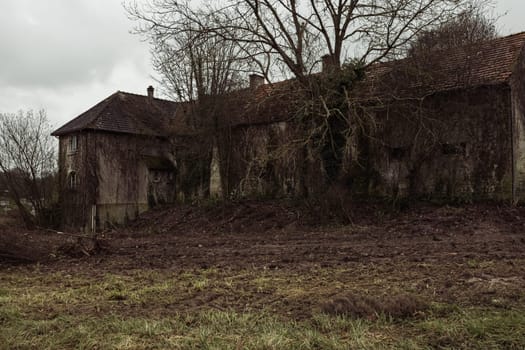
(426, 264)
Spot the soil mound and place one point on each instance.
(26, 247)
(245, 216)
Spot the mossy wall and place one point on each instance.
(456, 145)
(452, 146)
(267, 160)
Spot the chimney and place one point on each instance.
(256, 80)
(150, 91)
(328, 63)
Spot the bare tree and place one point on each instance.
(28, 162)
(291, 34)
(286, 38)
(198, 68)
(469, 27)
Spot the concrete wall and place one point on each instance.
(455, 145)
(118, 177)
(130, 174)
(77, 202)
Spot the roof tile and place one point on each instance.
(124, 112)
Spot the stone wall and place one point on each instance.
(450, 146)
(455, 146)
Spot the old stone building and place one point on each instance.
(451, 123)
(117, 159)
(448, 124)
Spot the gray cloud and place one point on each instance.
(67, 55)
(511, 12)
(62, 42)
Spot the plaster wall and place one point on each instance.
(126, 179)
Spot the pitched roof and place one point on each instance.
(124, 112)
(486, 63)
(491, 62)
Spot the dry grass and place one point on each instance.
(372, 307)
(143, 309)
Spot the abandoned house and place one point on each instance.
(450, 124)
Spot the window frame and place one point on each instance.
(72, 144)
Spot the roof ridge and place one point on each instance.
(449, 49)
(507, 36)
(145, 96)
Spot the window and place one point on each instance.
(397, 153)
(72, 180)
(156, 176)
(73, 144)
(454, 149)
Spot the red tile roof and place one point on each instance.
(487, 63)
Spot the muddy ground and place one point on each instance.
(471, 255)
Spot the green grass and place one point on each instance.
(215, 309)
(470, 329)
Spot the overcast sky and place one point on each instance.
(67, 55)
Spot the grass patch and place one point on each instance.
(205, 330)
(469, 329)
(476, 328)
(371, 307)
(243, 309)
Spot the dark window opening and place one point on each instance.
(397, 153)
(155, 176)
(72, 180)
(454, 148)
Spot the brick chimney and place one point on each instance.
(256, 80)
(150, 91)
(328, 63)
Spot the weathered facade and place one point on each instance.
(116, 161)
(450, 125)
